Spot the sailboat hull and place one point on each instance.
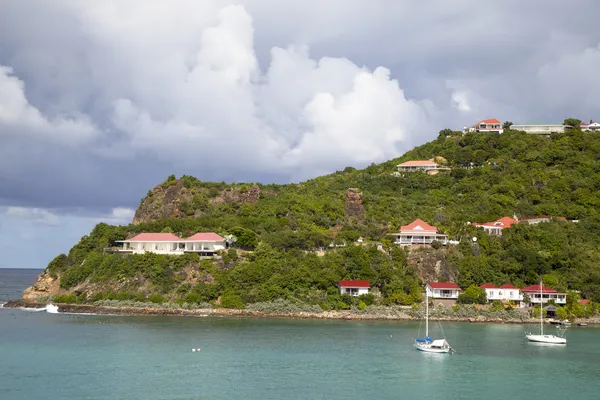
(428, 349)
(546, 339)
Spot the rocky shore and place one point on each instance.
(381, 313)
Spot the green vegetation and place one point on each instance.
(492, 176)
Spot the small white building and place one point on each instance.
(486, 125)
(443, 290)
(592, 126)
(546, 295)
(504, 293)
(206, 243)
(418, 232)
(546, 129)
(353, 287)
(430, 167)
(495, 228)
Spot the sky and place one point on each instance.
(100, 101)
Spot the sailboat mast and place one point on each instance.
(426, 313)
(541, 309)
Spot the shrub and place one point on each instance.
(157, 298)
(230, 300)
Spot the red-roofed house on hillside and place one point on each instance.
(418, 232)
(354, 287)
(206, 244)
(486, 125)
(431, 167)
(443, 290)
(495, 228)
(583, 302)
(506, 292)
(592, 126)
(547, 294)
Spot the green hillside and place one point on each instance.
(283, 225)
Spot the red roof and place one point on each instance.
(536, 289)
(443, 285)
(490, 121)
(205, 237)
(508, 286)
(419, 225)
(417, 163)
(488, 286)
(504, 222)
(584, 301)
(355, 284)
(154, 237)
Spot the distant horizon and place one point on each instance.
(39, 269)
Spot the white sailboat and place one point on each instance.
(429, 345)
(541, 338)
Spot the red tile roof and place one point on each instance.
(417, 163)
(584, 301)
(205, 237)
(154, 237)
(502, 223)
(488, 286)
(536, 289)
(443, 285)
(354, 284)
(419, 225)
(489, 121)
(508, 286)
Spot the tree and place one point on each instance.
(445, 133)
(574, 122)
(506, 124)
(473, 295)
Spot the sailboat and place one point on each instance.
(541, 338)
(428, 345)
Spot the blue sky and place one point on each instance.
(100, 101)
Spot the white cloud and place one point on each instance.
(36, 215)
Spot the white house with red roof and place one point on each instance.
(504, 293)
(592, 126)
(354, 287)
(547, 294)
(495, 228)
(418, 232)
(431, 167)
(206, 243)
(443, 290)
(485, 125)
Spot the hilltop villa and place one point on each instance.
(503, 293)
(592, 126)
(418, 232)
(533, 292)
(354, 288)
(486, 125)
(430, 167)
(545, 129)
(206, 244)
(495, 228)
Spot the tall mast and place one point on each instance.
(426, 313)
(541, 309)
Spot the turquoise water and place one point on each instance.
(57, 356)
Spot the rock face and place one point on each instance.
(353, 206)
(235, 195)
(44, 286)
(163, 202)
(431, 264)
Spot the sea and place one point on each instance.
(65, 356)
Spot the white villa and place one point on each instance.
(206, 244)
(486, 125)
(418, 232)
(443, 290)
(547, 294)
(506, 292)
(431, 167)
(592, 126)
(354, 288)
(541, 129)
(495, 228)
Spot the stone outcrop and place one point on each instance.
(432, 264)
(353, 206)
(44, 286)
(238, 196)
(163, 201)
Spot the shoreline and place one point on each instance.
(390, 314)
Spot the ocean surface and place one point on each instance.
(61, 356)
